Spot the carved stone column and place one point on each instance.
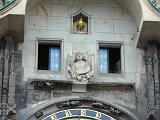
(152, 62)
(8, 69)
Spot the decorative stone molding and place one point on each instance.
(9, 64)
(47, 84)
(108, 108)
(38, 114)
(80, 103)
(89, 103)
(152, 63)
(81, 67)
(12, 115)
(44, 84)
(68, 104)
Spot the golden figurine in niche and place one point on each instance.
(80, 26)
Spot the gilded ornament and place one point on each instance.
(81, 25)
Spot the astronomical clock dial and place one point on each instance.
(155, 4)
(5, 3)
(78, 114)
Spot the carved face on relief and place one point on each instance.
(79, 56)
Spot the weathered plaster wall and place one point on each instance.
(134, 8)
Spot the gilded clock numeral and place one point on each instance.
(98, 115)
(68, 113)
(83, 112)
(79, 114)
(54, 117)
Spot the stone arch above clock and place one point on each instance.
(87, 108)
(85, 114)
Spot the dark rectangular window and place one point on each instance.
(49, 56)
(109, 59)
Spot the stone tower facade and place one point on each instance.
(79, 59)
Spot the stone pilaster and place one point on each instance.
(8, 68)
(152, 60)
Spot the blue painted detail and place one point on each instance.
(54, 58)
(91, 113)
(155, 4)
(60, 115)
(78, 113)
(103, 60)
(5, 3)
(48, 118)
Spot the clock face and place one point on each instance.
(79, 119)
(78, 114)
(5, 3)
(155, 4)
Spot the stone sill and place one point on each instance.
(68, 84)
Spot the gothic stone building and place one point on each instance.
(79, 60)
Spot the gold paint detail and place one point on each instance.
(80, 26)
(68, 113)
(98, 115)
(83, 112)
(53, 116)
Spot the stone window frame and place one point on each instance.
(50, 40)
(122, 55)
(89, 22)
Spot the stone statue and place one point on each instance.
(79, 68)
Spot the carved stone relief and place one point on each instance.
(80, 67)
(152, 60)
(38, 96)
(8, 72)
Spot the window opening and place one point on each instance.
(109, 59)
(49, 56)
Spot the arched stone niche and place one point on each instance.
(80, 16)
